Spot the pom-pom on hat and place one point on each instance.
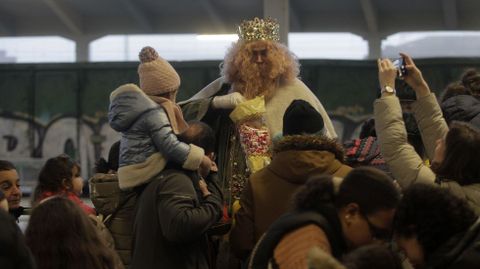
(157, 76)
(302, 118)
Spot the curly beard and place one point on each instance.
(256, 80)
(253, 79)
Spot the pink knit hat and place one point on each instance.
(157, 76)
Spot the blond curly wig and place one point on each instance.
(252, 79)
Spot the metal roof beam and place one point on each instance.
(214, 16)
(138, 15)
(67, 15)
(370, 15)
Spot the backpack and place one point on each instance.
(117, 208)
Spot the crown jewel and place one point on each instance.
(259, 29)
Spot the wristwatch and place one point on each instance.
(388, 89)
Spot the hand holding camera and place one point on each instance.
(386, 73)
(405, 68)
(414, 77)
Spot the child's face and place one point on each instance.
(77, 181)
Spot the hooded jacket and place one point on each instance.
(464, 108)
(267, 194)
(148, 141)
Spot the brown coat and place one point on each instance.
(268, 192)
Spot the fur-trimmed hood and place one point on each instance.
(298, 157)
(310, 142)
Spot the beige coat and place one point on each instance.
(404, 163)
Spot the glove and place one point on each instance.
(228, 101)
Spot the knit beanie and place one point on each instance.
(157, 76)
(301, 118)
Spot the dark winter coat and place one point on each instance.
(171, 223)
(460, 252)
(464, 108)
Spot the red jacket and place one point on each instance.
(71, 196)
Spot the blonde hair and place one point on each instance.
(281, 67)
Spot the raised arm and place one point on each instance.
(404, 163)
(167, 143)
(427, 112)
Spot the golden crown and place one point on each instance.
(259, 29)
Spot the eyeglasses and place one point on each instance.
(378, 233)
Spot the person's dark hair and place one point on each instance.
(60, 235)
(372, 256)
(104, 166)
(14, 252)
(433, 215)
(461, 155)
(199, 134)
(413, 133)
(6, 165)
(454, 89)
(471, 80)
(405, 93)
(370, 188)
(54, 174)
(368, 129)
(2, 195)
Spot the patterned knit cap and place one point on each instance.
(157, 76)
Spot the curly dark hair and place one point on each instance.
(56, 172)
(370, 188)
(372, 256)
(454, 89)
(471, 81)
(6, 165)
(104, 166)
(433, 215)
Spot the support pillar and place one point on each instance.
(82, 49)
(279, 10)
(374, 47)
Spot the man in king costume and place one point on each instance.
(256, 65)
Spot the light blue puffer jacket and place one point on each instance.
(148, 141)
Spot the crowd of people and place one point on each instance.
(249, 173)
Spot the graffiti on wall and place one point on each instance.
(28, 143)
